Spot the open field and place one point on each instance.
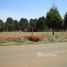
(20, 38)
(33, 54)
(47, 55)
(29, 33)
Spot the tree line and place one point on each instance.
(52, 22)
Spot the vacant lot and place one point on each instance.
(29, 33)
(33, 54)
(21, 38)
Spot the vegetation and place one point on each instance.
(41, 24)
(65, 21)
(15, 38)
(52, 22)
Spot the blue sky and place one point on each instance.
(29, 8)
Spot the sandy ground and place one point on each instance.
(46, 55)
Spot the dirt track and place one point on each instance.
(47, 55)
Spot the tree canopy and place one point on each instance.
(23, 24)
(9, 24)
(65, 21)
(41, 24)
(53, 20)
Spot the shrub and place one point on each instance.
(34, 38)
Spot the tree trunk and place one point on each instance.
(32, 31)
(53, 32)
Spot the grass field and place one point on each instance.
(61, 37)
(29, 33)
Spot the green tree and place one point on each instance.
(41, 24)
(16, 25)
(9, 24)
(54, 19)
(23, 24)
(33, 25)
(65, 21)
(1, 25)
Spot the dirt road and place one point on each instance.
(46, 55)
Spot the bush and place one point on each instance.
(34, 38)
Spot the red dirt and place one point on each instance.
(8, 38)
(65, 36)
(11, 38)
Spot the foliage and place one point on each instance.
(33, 24)
(23, 24)
(9, 24)
(34, 38)
(1, 25)
(65, 21)
(41, 24)
(54, 19)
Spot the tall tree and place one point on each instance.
(23, 24)
(16, 25)
(65, 21)
(1, 25)
(9, 24)
(41, 24)
(54, 19)
(33, 25)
